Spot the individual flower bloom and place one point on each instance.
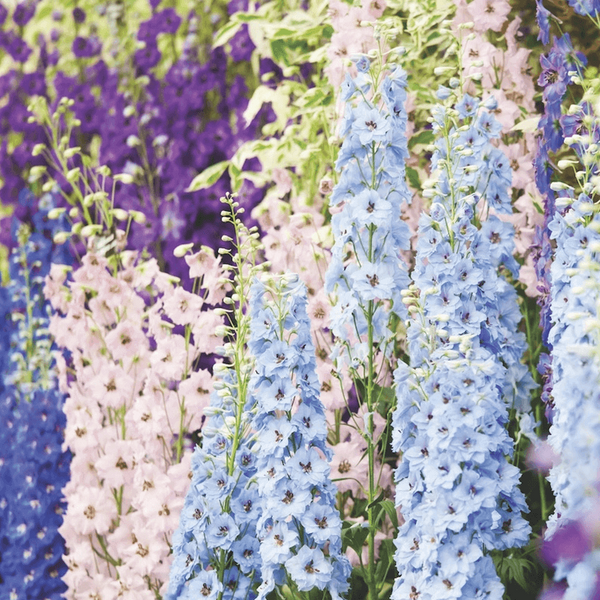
(374, 281)
(308, 468)
(24, 12)
(467, 107)
(172, 357)
(206, 584)
(182, 307)
(554, 77)
(333, 396)
(143, 555)
(127, 342)
(86, 47)
(283, 181)
(195, 392)
(112, 387)
(349, 468)
(116, 465)
(204, 329)
(542, 16)
(148, 57)
(370, 125)
(222, 532)
(169, 20)
(91, 510)
(98, 585)
(489, 14)
(309, 568)
(370, 208)
(78, 15)
(277, 546)
(322, 522)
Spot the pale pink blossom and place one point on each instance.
(182, 307)
(91, 510)
(521, 164)
(349, 467)
(112, 387)
(115, 467)
(478, 49)
(206, 339)
(282, 180)
(126, 342)
(489, 14)
(97, 587)
(507, 112)
(144, 554)
(528, 277)
(171, 357)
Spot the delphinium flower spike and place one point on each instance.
(574, 335)
(366, 274)
(456, 487)
(33, 465)
(300, 526)
(216, 548)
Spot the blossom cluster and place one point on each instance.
(33, 465)
(135, 397)
(161, 115)
(300, 527)
(367, 227)
(455, 485)
(573, 434)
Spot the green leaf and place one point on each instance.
(528, 125)
(208, 177)
(413, 178)
(377, 500)
(226, 33)
(389, 507)
(354, 536)
(423, 137)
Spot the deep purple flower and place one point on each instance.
(553, 136)
(148, 57)
(23, 12)
(170, 20)
(3, 14)
(78, 15)
(165, 21)
(154, 3)
(86, 47)
(237, 6)
(564, 46)
(241, 44)
(15, 46)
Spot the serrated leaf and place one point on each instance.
(208, 177)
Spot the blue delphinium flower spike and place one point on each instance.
(456, 489)
(300, 527)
